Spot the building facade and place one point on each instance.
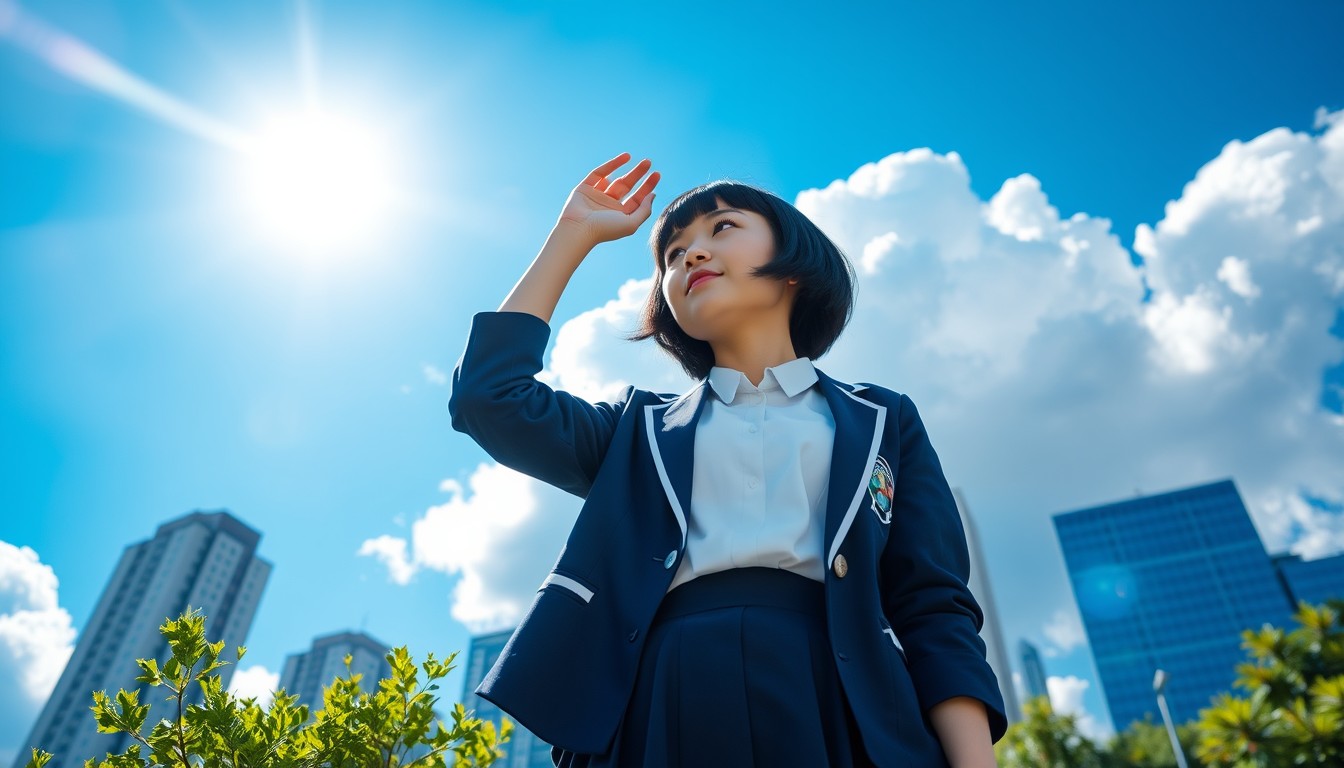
(1169, 582)
(306, 674)
(204, 560)
(991, 631)
(1033, 671)
(1312, 581)
(524, 749)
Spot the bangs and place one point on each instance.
(701, 200)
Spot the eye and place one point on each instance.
(723, 221)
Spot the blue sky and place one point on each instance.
(160, 351)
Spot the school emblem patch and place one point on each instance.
(881, 487)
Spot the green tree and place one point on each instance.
(1044, 739)
(1293, 714)
(390, 726)
(1145, 744)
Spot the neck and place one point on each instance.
(753, 352)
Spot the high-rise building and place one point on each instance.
(524, 749)
(205, 560)
(307, 674)
(1169, 582)
(1313, 581)
(1033, 671)
(991, 631)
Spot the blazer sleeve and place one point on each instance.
(522, 423)
(925, 570)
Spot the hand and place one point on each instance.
(595, 206)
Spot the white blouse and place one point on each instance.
(760, 474)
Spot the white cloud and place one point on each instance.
(391, 552)
(255, 682)
(593, 360)
(1065, 630)
(1066, 698)
(500, 535)
(435, 376)
(1290, 522)
(36, 639)
(1021, 210)
(1236, 273)
(1193, 332)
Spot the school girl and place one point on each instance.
(768, 569)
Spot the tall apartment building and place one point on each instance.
(991, 631)
(524, 749)
(307, 674)
(1169, 582)
(1033, 671)
(205, 560)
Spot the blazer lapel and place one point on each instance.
(858, 432)
(670, 429)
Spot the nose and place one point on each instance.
(695, 254)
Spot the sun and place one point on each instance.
(318, 181)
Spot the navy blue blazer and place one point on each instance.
(904, 627)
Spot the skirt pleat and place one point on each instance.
(737, 671)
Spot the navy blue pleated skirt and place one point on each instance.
(737, 671)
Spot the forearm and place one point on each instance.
(538, 291)
(963, 729)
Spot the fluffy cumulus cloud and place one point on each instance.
(255, 682)
(591, 358)
(36, 639)
(499, 535)
(1064, 631)
(1066, 698)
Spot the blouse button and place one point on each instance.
(752, 429)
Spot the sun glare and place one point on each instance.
(319, 181)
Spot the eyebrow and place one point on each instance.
(716, 212)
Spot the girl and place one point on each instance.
(768, 569)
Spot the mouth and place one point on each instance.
(700, 277)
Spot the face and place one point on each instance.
(708, 279)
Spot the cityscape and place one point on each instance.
(1163, 582)
(242, 247)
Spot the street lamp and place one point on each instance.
(1160, 684)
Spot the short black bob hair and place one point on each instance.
(825, 297)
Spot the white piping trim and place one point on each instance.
(863, 485)
(570, 584)
(894, 641)
(662, 470)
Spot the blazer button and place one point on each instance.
(840, 566)
(670, 559)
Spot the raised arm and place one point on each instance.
(496, 398)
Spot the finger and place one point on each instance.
(601, 184)
(642, 213)
(601, 171)
(644, 192)
(622, 185)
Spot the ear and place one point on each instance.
(793, 281)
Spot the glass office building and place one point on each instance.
(1169, 582)
(1314, 581)
(523, 750)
